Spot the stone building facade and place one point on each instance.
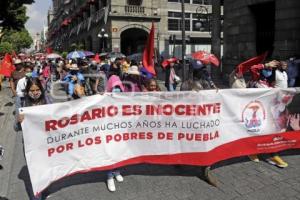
(123, 25)
(252, 27)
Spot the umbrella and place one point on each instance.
(206, 58)
(166, 62)
(53, 56)
(76, 54)
(104, 54)
(88, 53)
(137, 57)
(115, 55)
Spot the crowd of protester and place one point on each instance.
(31, 84)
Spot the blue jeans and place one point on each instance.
(292, 82)
(18, 104)
(172, 87)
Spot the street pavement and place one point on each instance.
(238, 178)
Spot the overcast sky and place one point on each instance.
(37, 13)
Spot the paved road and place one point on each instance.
(239, 179)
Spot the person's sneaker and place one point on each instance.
(119, 177)
(276, 160)
(111, 184)
(254, 158)
(209, 178)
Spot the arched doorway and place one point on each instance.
(133, 41)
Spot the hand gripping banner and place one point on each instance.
(194, 128)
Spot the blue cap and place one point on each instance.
(197, 64)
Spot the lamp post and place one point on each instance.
(103, 39)
(216, 31)
(211, 23)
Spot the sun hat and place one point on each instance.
(17, 61)
(134, 70)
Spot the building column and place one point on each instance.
(216, 35)
(115, 44)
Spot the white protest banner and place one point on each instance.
(194, 128)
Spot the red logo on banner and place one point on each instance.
(253, 116)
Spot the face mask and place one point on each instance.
(116, 90)
(266, 73)
(35, 96)
(29, 74)
(73, 72)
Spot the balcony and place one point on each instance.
(86, 24)
(134, 9)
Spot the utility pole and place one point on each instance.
(183, 40)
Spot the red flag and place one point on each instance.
(49, 50)
(97, 58)
(245, 66)
(148, 55)
(7, 67)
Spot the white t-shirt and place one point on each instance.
(21, 87)
(281, 79)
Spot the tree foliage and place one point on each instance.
(13, 13)
(5, 47)
(18, 39)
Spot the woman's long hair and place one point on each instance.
(28, 100)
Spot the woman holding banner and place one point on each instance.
(34, 95)
(114, 84)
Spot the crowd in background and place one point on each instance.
(31, 82)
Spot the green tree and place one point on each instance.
(5, 47)
(13, 14)
(18, 39)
